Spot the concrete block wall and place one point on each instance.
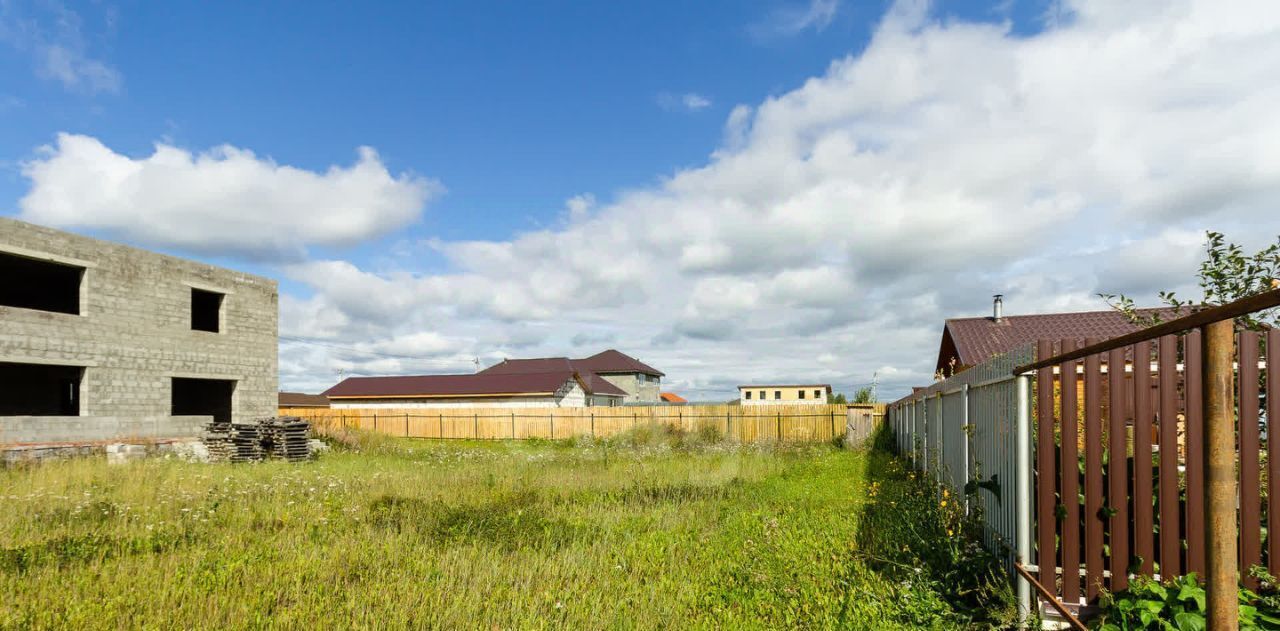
(72, 429)
(133, 333)
(638, 388)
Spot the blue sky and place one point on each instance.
(675, 127)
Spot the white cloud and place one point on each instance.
(52, 36)
(796, 18)
(687, 102)
(840, 222)
(222, 200)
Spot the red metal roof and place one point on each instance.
(451, 385)
(671, 397)
(972, 341)
(611, 361)
(607, 362)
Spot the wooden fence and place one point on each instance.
(745, 423)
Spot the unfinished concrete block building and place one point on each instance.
(101, 341)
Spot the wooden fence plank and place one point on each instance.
(1117, 471)
(1170, 502)
(1070, 479)
(1093, 474)
(1250, 482)
(1143, 520)
(1194, 436)
(1046, 469)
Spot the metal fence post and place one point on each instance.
(1221, 573)
(1023, 455)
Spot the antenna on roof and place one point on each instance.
(477, 363)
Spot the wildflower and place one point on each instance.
(943, 503)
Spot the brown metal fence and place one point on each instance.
(1147, 454)
(1134, 503)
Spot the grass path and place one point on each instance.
(448, 535)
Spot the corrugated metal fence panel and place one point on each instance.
(933, 429)
(954, 465)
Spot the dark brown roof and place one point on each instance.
(451, 385)
(972, 341)
(300, 400)
(612, 361)
(594, 383)
(608, 362)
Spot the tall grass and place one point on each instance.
(655, 530)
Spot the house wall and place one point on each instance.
(570, 395)
(640, 388)
(790, 395)
(133, 334)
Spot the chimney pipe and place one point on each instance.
(997, 307)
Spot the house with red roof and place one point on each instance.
(554, 388)
(967, 342)
(609, 378)
(607, 371)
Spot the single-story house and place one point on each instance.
(300, 400)
(604, 373)
(790, 394)
(967, 342)
(561, 388)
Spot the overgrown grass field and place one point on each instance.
(645, 531)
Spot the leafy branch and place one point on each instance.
(1227, 274)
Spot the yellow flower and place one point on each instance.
(950, 532)
(943, 504)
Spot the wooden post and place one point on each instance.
(441, 416)
(475, 428)
(553, 424)
(513, 426)
(593, 424)
(375, 421)
(1222, 572)
(778, 431)
(406, 424)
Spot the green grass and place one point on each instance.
(650, 531)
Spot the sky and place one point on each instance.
(785, 190)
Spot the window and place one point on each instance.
(777, 394)
(762, 395)
(748, 395)
(42, 285)
(206, 310)
(40, 390)
(817, 394)
(202, 397)
(801, 393)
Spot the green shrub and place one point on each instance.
(1178, 605)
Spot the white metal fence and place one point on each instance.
(974, 428)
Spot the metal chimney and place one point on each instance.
(997, 307)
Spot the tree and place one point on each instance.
(1226, 275)
(838, 398)
(865, 394)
